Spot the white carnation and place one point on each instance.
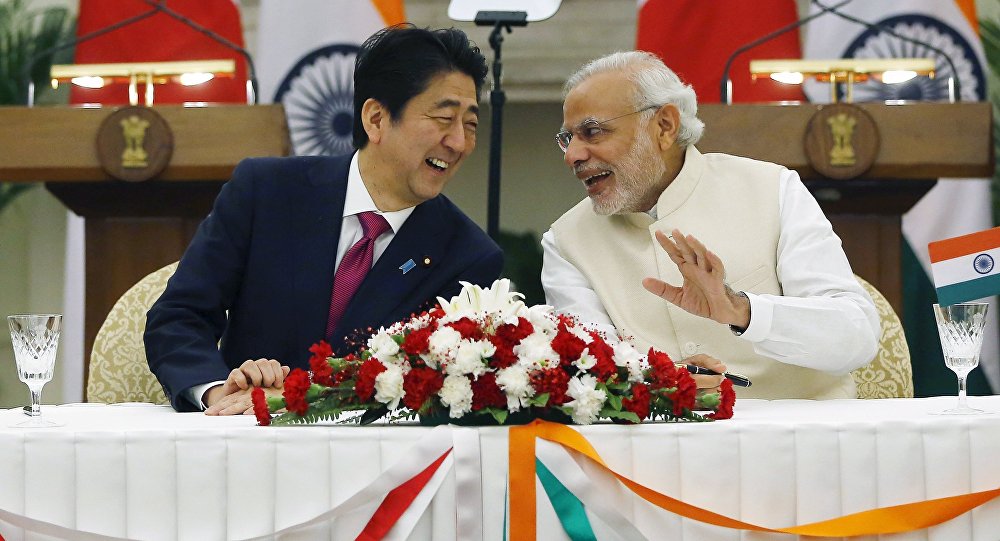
(456, 392)
(389, 386)
(516, 384)
(626, 355)
(383, 347)
(587, 399)
(535, 351)
(470, 358)
(586, 360)
(443, 343)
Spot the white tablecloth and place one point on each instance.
(145, 472)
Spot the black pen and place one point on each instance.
(737, 379)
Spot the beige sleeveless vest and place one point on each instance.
(731, 205)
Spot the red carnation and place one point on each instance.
(554, 381)
(725, 409)
(486, 393)
(468, 328)
(662, 370)
(417, 342)
(567, 345)
(684, 397)
(321, 350)
(605, 366)
(639, 403)
(296, 386)
(260, 409)
(419, 384)
(322, 372)
(515, 333)
(504, 355)
(364, 387)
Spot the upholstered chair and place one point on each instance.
(118, 369)
(889, 374)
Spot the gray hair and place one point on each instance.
(655, 84)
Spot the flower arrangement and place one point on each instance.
(484, 357)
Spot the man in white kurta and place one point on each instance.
(703, 256)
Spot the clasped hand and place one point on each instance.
(233, 396)
(704, 291)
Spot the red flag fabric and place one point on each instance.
(694, 38)
(161, 38)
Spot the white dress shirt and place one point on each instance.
(356, 200)
(815, 323)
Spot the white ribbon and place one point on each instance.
(415, 460)
(468, 484)
(600, 494)
(408, 520)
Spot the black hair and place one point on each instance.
(397, 63)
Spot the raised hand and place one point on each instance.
(704, 291)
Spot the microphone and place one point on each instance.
(158, 6)
(955, 86)
(726, 90)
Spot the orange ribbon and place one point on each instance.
(884, 520)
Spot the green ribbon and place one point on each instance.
(568, 507)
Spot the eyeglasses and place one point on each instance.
(591, 130)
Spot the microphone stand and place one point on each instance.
(955, 88)
(30, 64)
(161, 5)
(726, 90)
(158, 6)
(500, 21)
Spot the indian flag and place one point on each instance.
(965, 268)
(305, 61)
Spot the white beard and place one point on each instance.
(635, 174)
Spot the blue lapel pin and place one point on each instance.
(408, 266)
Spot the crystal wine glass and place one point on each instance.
(35, 338)
(961, 329)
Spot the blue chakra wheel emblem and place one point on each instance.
(874, 43)
(983, 263)
(318, 96)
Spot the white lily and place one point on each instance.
(497, 299)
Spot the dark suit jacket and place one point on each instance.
(266, 254)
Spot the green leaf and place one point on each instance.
(615, 401)
(499, 415)
(539, 400)
(374, 414)
(623, 415)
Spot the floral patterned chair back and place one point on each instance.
(118, 369)
(889, 374)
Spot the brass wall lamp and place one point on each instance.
(848, 71)
(185, 72)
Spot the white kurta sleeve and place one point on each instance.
(824, 319)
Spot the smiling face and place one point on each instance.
(412, 158)
(621, 168)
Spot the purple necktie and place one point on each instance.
(354, 266)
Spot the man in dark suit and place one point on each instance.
(259, 271)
